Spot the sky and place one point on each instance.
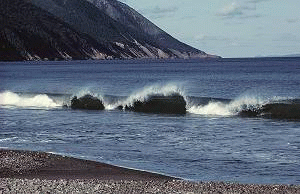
(228, 28)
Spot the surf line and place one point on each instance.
(171, 104)
(176, 104)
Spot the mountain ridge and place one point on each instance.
(83, 29)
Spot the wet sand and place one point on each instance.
(30, 172)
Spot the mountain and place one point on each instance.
(29, 33)
(83, 29)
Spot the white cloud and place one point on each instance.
(242, 10)
(231, 10)
(200, 37)
(256, 1)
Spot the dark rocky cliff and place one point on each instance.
(29, 33)
(82, 29)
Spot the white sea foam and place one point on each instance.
(217, 108)
(212, 108)
(146, 92)
(8, 139)
(8, 98)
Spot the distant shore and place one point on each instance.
(157, 60)
(28, 172)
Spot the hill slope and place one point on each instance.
(29, 33)
(83, 29)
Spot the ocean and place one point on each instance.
(213, 141)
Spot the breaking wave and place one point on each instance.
(12, 99)
(224, 107)
(146, 93)
(246, 106)
(161, 96)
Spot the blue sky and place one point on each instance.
(229, 28)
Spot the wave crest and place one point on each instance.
(232, 108)
(148, 92)
(8, 98)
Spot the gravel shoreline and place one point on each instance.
(8, 185)
(39, 172)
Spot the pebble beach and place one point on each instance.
(39, 172)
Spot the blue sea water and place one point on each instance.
(209, 143)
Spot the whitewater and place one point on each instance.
(225, 134)
(213, 108)
(195, 105)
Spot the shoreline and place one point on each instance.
(31, 171)
(43, 165)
